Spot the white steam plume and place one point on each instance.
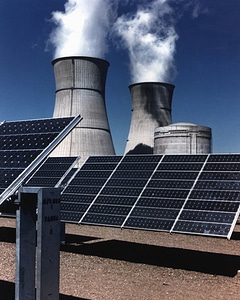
(150, 37)
(82, 28)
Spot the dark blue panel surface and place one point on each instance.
(196, 194)
(225, 206)
(180, 166)
(102, 219)
(148, 224)
(158, 202)
(175, 175)
(170, 184)
(184, 158)
(232, 176)
(203, 216)
(118, 200)
(202, 228)
(52, 172)
(21, 142)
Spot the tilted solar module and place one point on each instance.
(85, 186)
(164, 195)
(212, 207)
(195, 194)
(24, 145)
(114, 212)
(52, 172)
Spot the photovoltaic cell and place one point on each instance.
(224, 158)
(231, 176)
(222, 167)
(212, 205)
(184, 158)
(165, 193)
(126, 182)
(180, 166)
(214, 185)
(149, 223)
(203, 228)
(103, 219)
(175, 175)
(170, 184)
(136, 174)
(117, 200)
(160, 203)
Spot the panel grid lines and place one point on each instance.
(194, 194)
(99, 192)
(215, 199)
(189, 193)
(144, 188)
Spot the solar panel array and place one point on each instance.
(23, 146)
(196, 194)
(53, 172)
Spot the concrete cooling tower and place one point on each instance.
(151, 108)
(80, 89)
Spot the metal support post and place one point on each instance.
(47, 203)
(48, 245)
(25, 247)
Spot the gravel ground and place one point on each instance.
(109, 263)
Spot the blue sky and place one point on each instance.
(207, 64)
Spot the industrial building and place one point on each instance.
(182, 138)
(80, 89)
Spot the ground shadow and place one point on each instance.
(79, 239)
(235, 236)
(7, 234)
(176, 258)
(7, 290)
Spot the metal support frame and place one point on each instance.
(46, 201)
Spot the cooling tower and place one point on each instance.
(80, 89)
(151, 108)
(182, 138)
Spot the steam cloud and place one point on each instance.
(148, 34)
(82, 29)
(150, 37)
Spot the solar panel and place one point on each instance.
(86, 185)
(24, 145)
(164, 195)
(195, 194)
(129, 186)
(52, 172)
(212, 207)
